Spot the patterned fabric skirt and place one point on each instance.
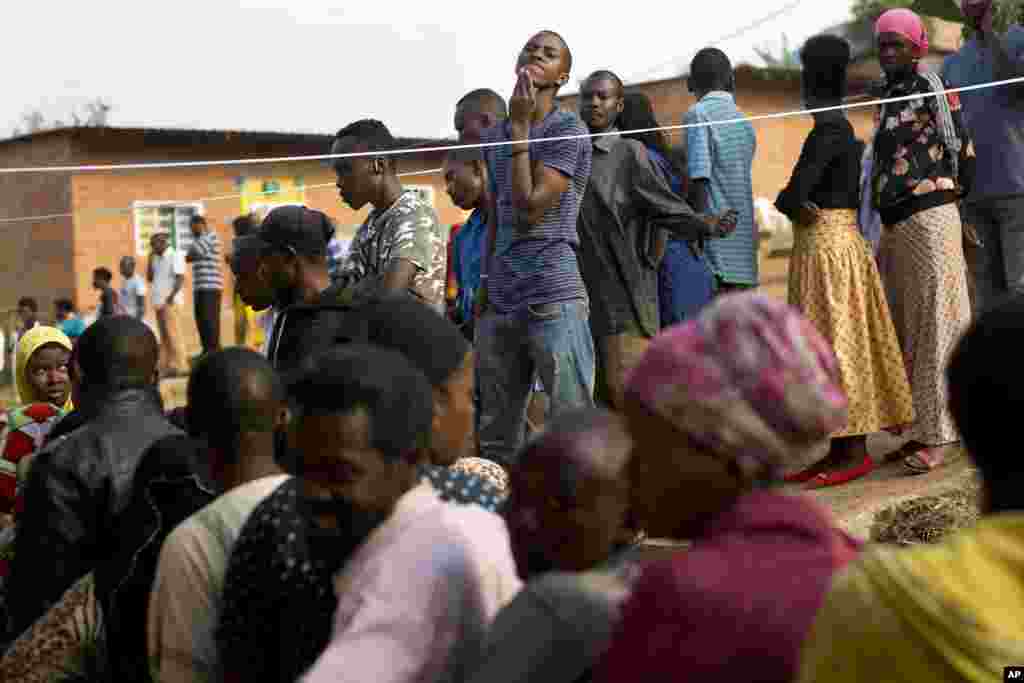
(65, 644)
(835, 283)
(925, 274)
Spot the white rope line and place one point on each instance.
(216, 198)
(501, 143)
(760, 117)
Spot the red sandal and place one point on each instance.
(800, 477)
(924, 460)
(823, 480)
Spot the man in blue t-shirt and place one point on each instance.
(471, 189)
(995, 119)
(535, 309)
(68, 321)
(720, 163)
(466, 179)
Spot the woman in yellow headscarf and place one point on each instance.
(44, 396)
(954, 611)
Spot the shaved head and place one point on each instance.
(568, 53)
(484, 101)
(568, 505)
(118, 353)
(233, 391)
(589, 444)
(605, 75)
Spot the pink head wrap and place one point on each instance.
(907, 24)
(750, 379)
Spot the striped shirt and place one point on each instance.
(206, 260)
(724, 156)
(538, 267)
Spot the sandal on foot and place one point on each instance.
(820, 481)
(805, 475)
(924, 460)
(801, 477)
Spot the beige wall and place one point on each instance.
(36, 255)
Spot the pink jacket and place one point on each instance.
(417, 598)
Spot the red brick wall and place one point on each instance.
(35, 256)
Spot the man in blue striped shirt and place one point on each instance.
(535, 313)
(720, 163)
(207, 282)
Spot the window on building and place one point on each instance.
(174, 217)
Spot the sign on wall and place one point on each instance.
(174, 217)
(260, 194)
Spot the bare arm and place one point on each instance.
(179, 280)
(536, 187)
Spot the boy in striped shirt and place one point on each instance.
(207, 282)
(535, 310)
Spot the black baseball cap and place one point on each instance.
(304, 230)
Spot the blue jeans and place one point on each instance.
(685, 284)
(550, 341)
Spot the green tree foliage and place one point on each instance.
(1008, 12)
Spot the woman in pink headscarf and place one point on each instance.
(718, 408)
(923, 165)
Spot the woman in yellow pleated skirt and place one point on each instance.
(833, 277)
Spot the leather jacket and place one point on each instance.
(78, 486)
(304, 329)
(172, 483)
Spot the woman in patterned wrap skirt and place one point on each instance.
(924, 163)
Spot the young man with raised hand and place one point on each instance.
(535, 307)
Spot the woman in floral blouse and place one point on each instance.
(923, 165)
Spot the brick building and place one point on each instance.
(91, 219)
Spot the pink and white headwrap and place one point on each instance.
(750, 379)
(907, 24)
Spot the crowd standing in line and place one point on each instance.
(361, 502)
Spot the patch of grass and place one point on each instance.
(929, 519)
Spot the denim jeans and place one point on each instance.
(685, 284)
(997, 266)
(550, 341)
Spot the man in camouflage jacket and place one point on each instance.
(400, 246)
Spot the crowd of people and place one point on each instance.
(359, 500)
(163, 282)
